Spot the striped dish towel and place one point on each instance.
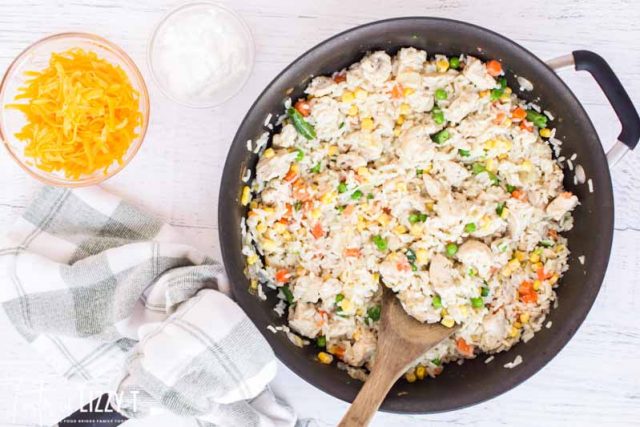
(101, 288)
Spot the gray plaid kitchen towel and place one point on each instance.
(99, 288)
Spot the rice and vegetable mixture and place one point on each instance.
(428, 176)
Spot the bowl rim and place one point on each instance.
(144, 100)
(194, 4)
(287, 357)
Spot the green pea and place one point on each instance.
(373, 313)
(500, 208)
(436, 301)
(419, 172)
(370, 196)
(546, 243)
(436, 362)
(484, 291)
(315, 169)
(477, 302)
(502, 81)
(441, 137)
(339, 298)
(321, 341)
(422, 217)
(356, 195)
(414, 267)
(470, 228)
(438, 115)
(299, 155)
(454, 62)
(441, 94)
(297, 205)
(464, 153)
(477, 168)
(451, 249)
(380, 242)
(510, 188)
(340, 208)
(496, 94)
(342, 187)
(413, 218)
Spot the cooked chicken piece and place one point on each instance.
(477, 255)
(476, 71)
(307, 289)
(304, 319)
(321, 86)
(562, 204)
(434, 188)
(462, 106)
(376, 68)
(276, 191)
(286, 138)
(415, 146)
(409, 58)
(350, 160)
(454, 173)
(495, 330)
(362, 349)
(274, 167)
(440, 272)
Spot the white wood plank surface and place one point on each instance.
(594, 381)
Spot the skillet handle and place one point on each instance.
(615, 93)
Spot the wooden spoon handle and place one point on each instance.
(370, 397)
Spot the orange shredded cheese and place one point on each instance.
(82, 114)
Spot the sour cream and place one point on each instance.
(201, 54)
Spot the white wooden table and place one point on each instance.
(595, 380)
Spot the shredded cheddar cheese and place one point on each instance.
(81, 111)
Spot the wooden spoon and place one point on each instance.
(401, 341)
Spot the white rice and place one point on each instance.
(376, 198)
(590, 184)
(517, 361)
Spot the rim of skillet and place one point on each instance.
(516, 377)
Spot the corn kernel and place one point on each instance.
(416, 230)
(252, 259)
(490, 165)
(505, 213)
(526, 165)
(484, 93)
(376, 277)
(261, 227)
(507, 123)
(286, 235)
(553, 279)
(505, 97)
(294, 168)
(361, 225)
(268, 153)
(359, 312)
(328, 197)
(489, 144)
(332, 150)
(253, 205)
(315, 213)
(325, 358)
(520, 256)
(410, 377)
(361, 93)
(408, 91)
(400, 229)
(254, 284)
(536, 284)
(348, 96)
(545, 133)
(534, 257)
(268, 210)
(463, 310)
(422, 256)
(367, 123)
(397, 132)
(517, 325)
(429, 206)
(524, 318)
(353, 110)
(268, 245)
(363, 171)
(502, 156)
(514, 332)
(345, 304)
(400, 121)
(401, 186)
(442, 65)
(384, 219)
(427, 168)
(559, 248)
(507, 90)
(246, 196)
(536, 266)
(513, 264)
(485, 221)
(420, 372)
(444, 312)
(405, 109)
(448, 322)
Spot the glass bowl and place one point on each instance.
(36, 57)
(191, 57)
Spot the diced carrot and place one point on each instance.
(518, 194)
(337, 350)
(553, 233)
(348, 210)
(317, 231)
(282, 275)
(352, 252)
(494, 68)
(542, 275)
(499, 118)
(437, 371)
(283, 221)
(527, 293)
(518, 114)
(397, 91)
(403, 265)
(291, 175)
(289, 210)
(464, 348)
(303, 107)
(340, 77)
(524, 125)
